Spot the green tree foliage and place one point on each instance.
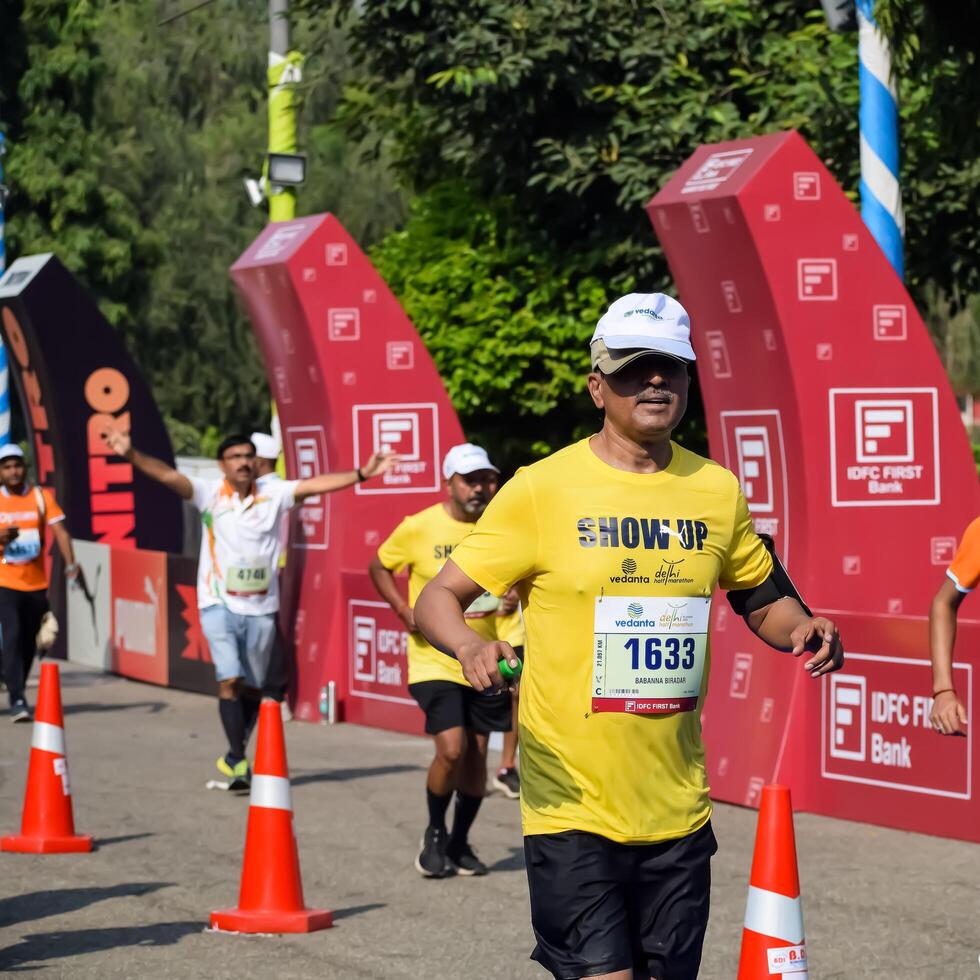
(505, 318)
(129, 141)
(583, 108)
(577, 111)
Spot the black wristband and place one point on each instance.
(360, 476)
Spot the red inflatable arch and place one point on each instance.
(823, 391)
(349, 375)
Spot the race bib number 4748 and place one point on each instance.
(649, 654)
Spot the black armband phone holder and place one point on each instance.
(778, 586)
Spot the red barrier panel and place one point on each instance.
(824, 393)
(350, 376)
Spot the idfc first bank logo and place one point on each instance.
(876, 728)
(378, 652)
(884, 447)
(412, 431)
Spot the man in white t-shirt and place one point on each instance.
(237, 584)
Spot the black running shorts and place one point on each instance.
(450, 705)
(598, 906)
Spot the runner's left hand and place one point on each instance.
(508, 603)
(379, 463)
(820, 637)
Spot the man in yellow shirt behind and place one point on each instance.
(616, 545)
(458, 718)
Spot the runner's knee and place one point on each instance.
(451, 746)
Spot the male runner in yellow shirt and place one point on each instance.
(616, 545)
(457, 717)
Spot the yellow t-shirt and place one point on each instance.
(566, 531)
(422, 543)
(510, 628)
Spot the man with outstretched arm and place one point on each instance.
(237, 584)
(614, 799)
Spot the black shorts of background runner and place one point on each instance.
(598, 906)
(450, 705)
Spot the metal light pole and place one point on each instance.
(3, 204)
(881, 193)
(4, 375)
(285, 71)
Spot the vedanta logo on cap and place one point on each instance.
(652, 313)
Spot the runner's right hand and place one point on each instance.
(118, 442)
(479, 663)
(407, 616)
(948, 715)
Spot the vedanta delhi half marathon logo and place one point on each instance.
(635, 610)
(669, 573)
(629, 576)
(674, 617)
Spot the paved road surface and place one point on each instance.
(877, 903)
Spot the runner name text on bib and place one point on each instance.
(649, 653)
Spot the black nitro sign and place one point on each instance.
(74, 377)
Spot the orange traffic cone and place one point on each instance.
(271, 894)
(772, 941)
(47, 825)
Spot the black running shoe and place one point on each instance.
(464, 860)
(20, 713)
(432, 861)
(508, 782)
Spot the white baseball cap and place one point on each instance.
(266, 446)
(466, 458)
(11, 449)
(637, 324)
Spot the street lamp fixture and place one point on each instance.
(288, 169)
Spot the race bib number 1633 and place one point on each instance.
(649, 654)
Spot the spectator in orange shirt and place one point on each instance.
(948, 715)
(27, 513)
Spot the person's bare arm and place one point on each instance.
(948, 714)
(329, 482)
(155, 469)
(439, 616)
(785, 625)
(384, 582)
(63, 540)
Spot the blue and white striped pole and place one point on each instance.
(881, 195)
(4, 376)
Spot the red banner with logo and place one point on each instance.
(824, 393)
(350, 377)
